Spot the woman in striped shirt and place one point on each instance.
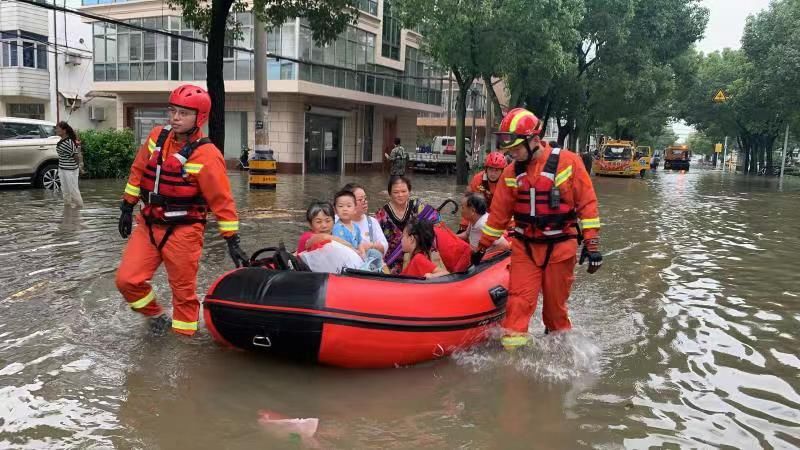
(69, 162)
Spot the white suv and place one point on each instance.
(28, 152)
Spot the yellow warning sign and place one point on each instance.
(720, 97)
(718, 148)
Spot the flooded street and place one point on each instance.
(687, 337)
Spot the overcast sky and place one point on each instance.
(724, 30)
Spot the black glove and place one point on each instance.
(477, 256)
(239, 257)
(125, 219)
(591, 251)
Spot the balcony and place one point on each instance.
(101, 2)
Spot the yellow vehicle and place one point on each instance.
(622, 158)
(677, 157)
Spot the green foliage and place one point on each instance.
(659, 140)
(107, 153)
(701, 144)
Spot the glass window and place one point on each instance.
(174, 71)
(200, 70)
(187, 49)
(99, 49)
(123, 47)
(162, 50)
(228, 71)
(123, 72)
(99, 72)
(149, 71)
(41, 55)
(243, 69)
(28, 54)
(136, 47)
(13, 130)
(111, 72)
(136, 71)
(288, 42)
(390, 33)
(287, 71)
(187, 71)
(149, 53)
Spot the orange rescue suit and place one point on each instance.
(179, 243)
(536, 264)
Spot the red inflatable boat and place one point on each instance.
(356, 319)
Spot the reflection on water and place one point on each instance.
(686, 337)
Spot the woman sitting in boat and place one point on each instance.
(395, 216)
(323, 251)
(417, 240)
(474, 212)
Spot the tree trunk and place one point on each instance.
(461, 114)
(494, 102)
(214, 78)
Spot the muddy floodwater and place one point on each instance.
(687, 337)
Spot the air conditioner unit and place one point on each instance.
(72, 59)
(72, 103)
(97, 113)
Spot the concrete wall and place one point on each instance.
(20, 16)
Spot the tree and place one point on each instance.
(480, 38)
(213, 20)
(622, 68)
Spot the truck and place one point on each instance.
(622, 158)
(441, 158)
(676, 157)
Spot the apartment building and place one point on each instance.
(334, 118)
(46, 67)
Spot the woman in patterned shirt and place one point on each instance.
(69, 162)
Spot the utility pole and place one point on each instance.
(783, 155)
(473, 136)
(488, 121)
(724, 154)
(54, 70)
(263, 167)
(449, 101)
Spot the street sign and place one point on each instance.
(718, 148)
(720, 97)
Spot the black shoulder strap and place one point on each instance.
(551, 166)
(162, 138)
(189, 148)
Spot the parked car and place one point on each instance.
(28, 152)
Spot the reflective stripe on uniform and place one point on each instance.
(232, 225)
(151, 145)
(181, 325)
(192, 168)
(590, 223)
(144, 301)
(563, 176)
(511, 342)
(493, 232)
(132, 190)
(511, 182)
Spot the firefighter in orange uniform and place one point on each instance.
(486, 180)
(178, 175)
(550, 197)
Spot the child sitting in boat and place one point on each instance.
(347, 230)
(417, 241)
(322, 251)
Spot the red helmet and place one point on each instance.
(495, 160)
(518, 125)
(192, 97)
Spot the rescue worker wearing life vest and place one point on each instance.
(178, 175)
(550, 197)
(486, 180)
